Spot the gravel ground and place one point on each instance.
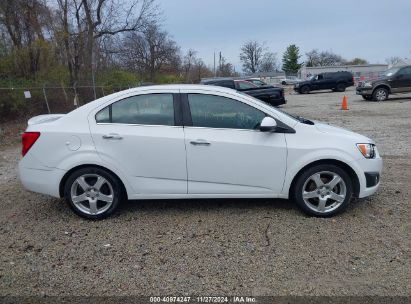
(221, 247)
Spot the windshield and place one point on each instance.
(244, 85)
(391, 72)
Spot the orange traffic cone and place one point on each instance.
(344, 104)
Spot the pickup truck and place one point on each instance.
(395, 80)
(336, 81)
(269, 94)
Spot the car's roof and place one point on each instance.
(179, 87)
(160, 88)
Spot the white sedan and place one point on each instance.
(193, 141)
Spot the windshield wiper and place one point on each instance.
(304, 120)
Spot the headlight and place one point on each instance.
(367, 150)
(367, 84)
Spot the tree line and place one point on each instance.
(74, 41)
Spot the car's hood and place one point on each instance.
(302, 82)
(326, 128)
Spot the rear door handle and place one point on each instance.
(199, 142)
(112, 136)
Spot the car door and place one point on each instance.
(327, 82)
(141, 136)
(226, 152)
(402, 81)
(316, 82)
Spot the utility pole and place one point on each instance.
(219, 63)
(214, 66)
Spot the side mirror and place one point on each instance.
(400, 76)
(268, 124)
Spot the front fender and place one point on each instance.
(294, 164)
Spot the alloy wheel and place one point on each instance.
(324, 191)
(92, 194)
(381, 95)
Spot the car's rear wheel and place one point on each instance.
(323, 190)
(305, 89)
(340, 87)
(380, 94)
(93, 193)
(283, 83)
(366, 97)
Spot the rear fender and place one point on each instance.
(83, 158)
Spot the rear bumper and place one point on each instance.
(45, 181)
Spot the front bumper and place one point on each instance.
(368, 167)
(363, 91)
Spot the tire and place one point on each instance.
(85, 189)
(283, 83)
(305, 89)
(380, 94)
(340, 87)
(320, 197)
(367, 97)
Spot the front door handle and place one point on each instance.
(199, 142)
(112, 136)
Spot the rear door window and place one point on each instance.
(149, 109)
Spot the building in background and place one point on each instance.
(360, 72)
(404, 61)
(268, 77)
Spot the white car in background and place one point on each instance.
(290, 80)
(193, 141)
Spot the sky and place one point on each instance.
(370, 29)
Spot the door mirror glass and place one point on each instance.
(268, 124)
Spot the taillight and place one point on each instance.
(27, 140)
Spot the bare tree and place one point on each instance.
(269, 62)
(85, 22)
(150, 51)
(188, 62)
(25, 23)
(393, 60)
(324, 58)
(251, 55)
(201, 70)
(357, 61)
(225, 69)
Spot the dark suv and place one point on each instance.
(336, 81)
(394, 80)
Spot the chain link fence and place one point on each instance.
(17, 103)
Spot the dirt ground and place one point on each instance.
(221, 247)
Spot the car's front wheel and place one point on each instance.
(305, 89)
(323, 190)
(380, 94)
(93, 193)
